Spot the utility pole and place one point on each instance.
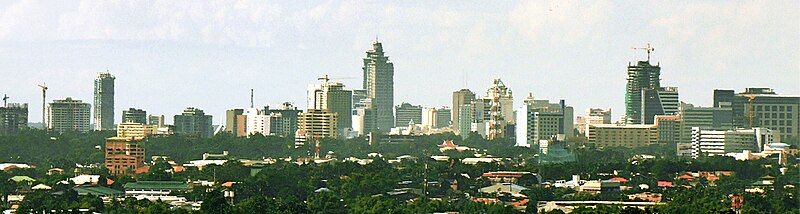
(44, 105)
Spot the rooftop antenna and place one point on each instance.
(251, 98)
(647, 49)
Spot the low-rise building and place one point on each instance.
(124, 155)
(619, 135)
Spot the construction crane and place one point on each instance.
(750, 99)
(326, 78)
(5, 100)
(647, 49)
(44, 104)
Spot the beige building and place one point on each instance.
(317, 123)
(136, 130)
(619, 135)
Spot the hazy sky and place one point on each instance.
(168, 55)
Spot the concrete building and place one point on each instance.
(500, 109)
(283, 121)
(408, 114)
(123, 155)
(460, 97)
(541, 120)
(332, 96)
(104, 101)
(235, 122)
(317, 123)
(134, 115)
(642, 75)
(13, 117)
(68, 115)
(379, 83)
(708, 142)
(193, 122)
(618, 135)
(658, 101)
(257, 121)
(135, 130)
(592, 116)
(466, 116)
(157, 120)
(436, 118)
(763, 107)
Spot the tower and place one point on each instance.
(642, 75)
(104, 101)
(378, 81)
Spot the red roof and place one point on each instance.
(687, 177)
(447, 143)
(620, 179)
(664, 184)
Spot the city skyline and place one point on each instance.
(162, 68)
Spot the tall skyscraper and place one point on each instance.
(643, 75)
(193, 122)
(68, 115)
(134, 115)
(104, 101)
(460, 97)
(379, 83)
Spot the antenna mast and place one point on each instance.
(251, 98)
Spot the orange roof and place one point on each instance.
(227, 184)
(448, 143)
(664, 184)
(712, 178)
(143, 169)
(620, 179)
(687, 177)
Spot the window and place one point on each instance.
(774, 108)
(781, 108)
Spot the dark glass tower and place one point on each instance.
(379, 83)
(104, 102)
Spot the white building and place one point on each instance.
(257, 122)
(719, 142)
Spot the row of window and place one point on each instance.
(774, 108)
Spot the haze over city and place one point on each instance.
(167, 55)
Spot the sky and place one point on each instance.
(168, 55)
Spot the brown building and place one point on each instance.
(124, 155)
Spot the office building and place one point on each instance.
(408, 114)
(235, 122)
(436, 117)
(124, 155)
(592, 116)
(136, 130)
(332, 96)
(378, 74)
(658, 101)
(541, 120)
(317, 123)
(763, 107)
(193, 122)
(104, 101)
(283, 121)
(363, 121)
(619, 135)
(642, 75)
(13, 117)
(708, 142)
(68, 115)
(157, 120)
(466, 117)
(257, 121)
(134, 115)
(460, 97)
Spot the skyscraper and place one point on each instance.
(134, 115)
(460, 97)
(332, 96)
(643, 75)
(68, 115)
(379, 83)
(104, 101)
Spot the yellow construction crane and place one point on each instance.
(44, 104)
(750, 99)
(647, 49)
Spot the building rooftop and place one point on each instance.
(171, 185)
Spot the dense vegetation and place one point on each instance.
(346, 187)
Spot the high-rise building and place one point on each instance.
(466, 117)
(317, 123)
(134, 115)
(124, 155)
(69, 115)
(379, 83)
(763, 107)
(104, 101)
(284, 121)
(235, 122)
(500, 109)
(643, 75)
(541, 120)
(460, 97)
(332, 96)
(194, 122)
(13, 117)
(658, 101)
(408, 114)
(257, 121)
(436, 117)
